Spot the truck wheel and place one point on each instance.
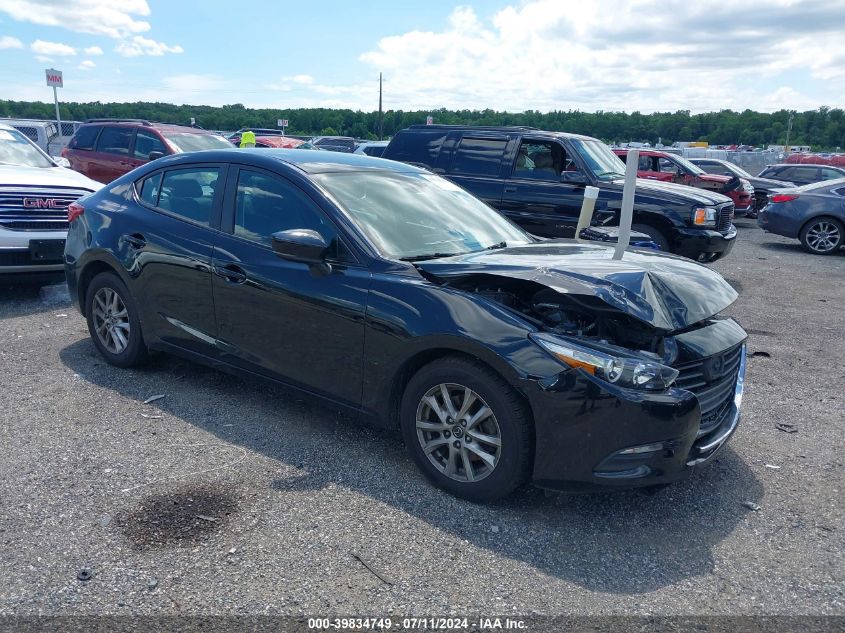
(467, 429)
(654, 233)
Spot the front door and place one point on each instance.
(534, 196)
(281, 318)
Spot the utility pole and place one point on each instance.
(380, 113)
(788, 130)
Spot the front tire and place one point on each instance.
(113, 321)
(822, 236)
(657, 236)
(467, 429)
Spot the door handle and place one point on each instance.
(136, 240)
(231, 273)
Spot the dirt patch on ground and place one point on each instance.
(183, 515)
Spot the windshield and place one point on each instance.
(417, 216)
(15, 149)
(604, 164)
(683, 162)
(187, 142)
(739, 171)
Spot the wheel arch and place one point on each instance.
(417, 361)
(89, 271)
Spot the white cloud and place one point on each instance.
(99, 17)
(52, 48)
(44, 59)
(139, 45)
(93, 50)
(301, 79)
(87, 65)
(647, 55)
(194, 83)
(10, 42)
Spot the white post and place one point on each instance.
(627, 212)
(591, 194)
(58, 118)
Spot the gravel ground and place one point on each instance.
(235, 497)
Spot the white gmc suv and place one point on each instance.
(34, 195)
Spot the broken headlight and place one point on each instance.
(612, 364)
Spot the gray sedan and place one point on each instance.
(814, 214)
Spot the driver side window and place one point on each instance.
(666, 166)
(542, 160)
(265, 205)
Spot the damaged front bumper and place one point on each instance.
(592, 435)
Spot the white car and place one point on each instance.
(371, 148)
(35, 192)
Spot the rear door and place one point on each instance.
(170, 244)
(476, 164)
(111, 157)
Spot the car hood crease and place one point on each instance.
(667, 292)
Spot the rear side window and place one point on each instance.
(85, 137)
(830, 174)
(805, 173)
(115, 140)
(145, 143)
(479, 156)
(148, 191)
(421, 148)
(189, 193)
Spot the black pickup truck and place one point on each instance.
(537, 179)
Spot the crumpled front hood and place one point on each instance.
(665, 291)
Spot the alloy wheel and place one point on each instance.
(111, 320)
(823, 236)
(458, 432)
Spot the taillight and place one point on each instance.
(74, 210)
(783, 197)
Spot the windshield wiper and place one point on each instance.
(419, 258)
(494, 247)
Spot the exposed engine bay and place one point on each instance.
(567, 314)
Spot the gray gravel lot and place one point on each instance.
(231, 496)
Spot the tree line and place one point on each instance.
(823, 129)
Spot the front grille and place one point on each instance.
(725, 219)
(26, 208)
(713, 381)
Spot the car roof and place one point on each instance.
(528, 131)
(836, 167)
(164, 127)
(309, 161)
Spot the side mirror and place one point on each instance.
(155, 155)
(302, 245)
(573, 178)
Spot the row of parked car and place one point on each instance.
(534, 177)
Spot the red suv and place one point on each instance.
(668, 167)
(105, 149)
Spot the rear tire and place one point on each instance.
(657, 236)
(113, 321)
(477, 445)
(822, 236)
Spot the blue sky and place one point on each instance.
(642, 55)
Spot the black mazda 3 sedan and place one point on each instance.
(394, 292)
